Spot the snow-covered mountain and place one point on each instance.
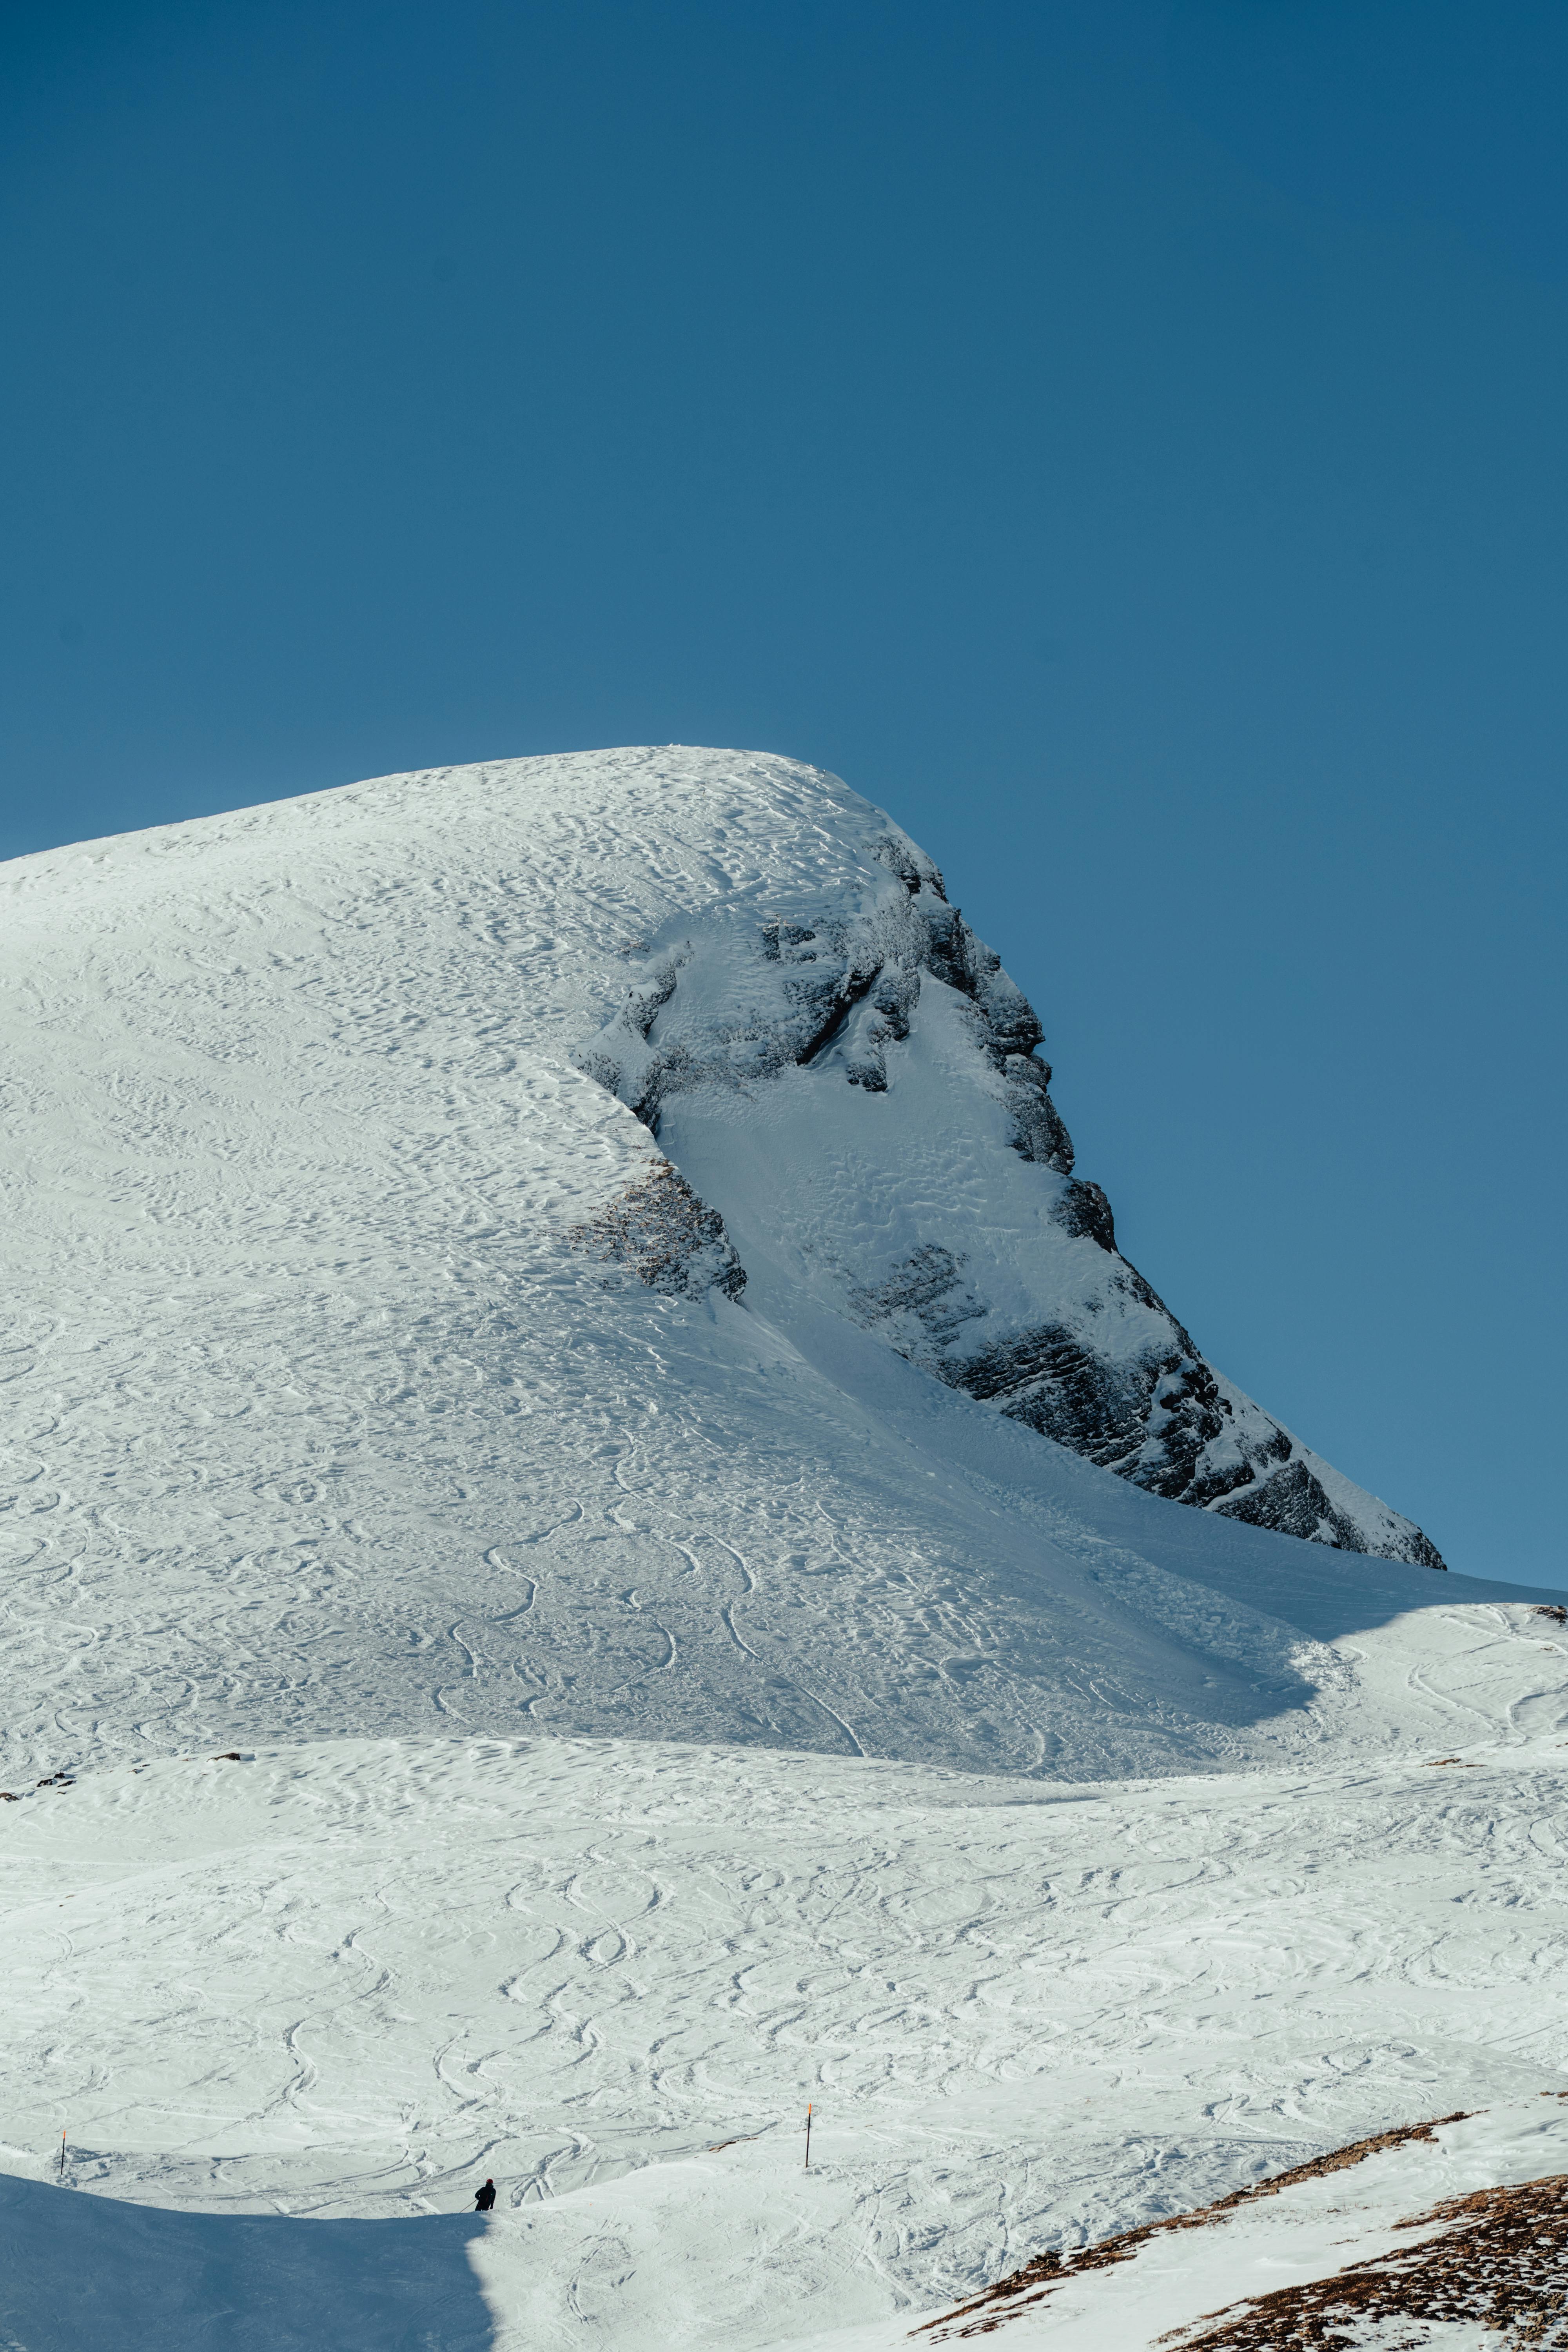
(596, 1544)
(374, 1363)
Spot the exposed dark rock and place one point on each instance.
(913, 867)
(1048, 1380)
(1039, 1131)
(947, 935)
(663, 1233)
(1421, 1550)
(894, 996)
(929, 1287)
(1295, 1504)
(1504, 2264)
(1084, 1209)
(778, 937)
(828, 972)
(644, 1003)
(830, 1005)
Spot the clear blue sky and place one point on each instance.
(1126, 440)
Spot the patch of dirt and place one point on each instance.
(1504, 2266)
(1031, 2285)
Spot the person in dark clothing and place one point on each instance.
(485, 2198)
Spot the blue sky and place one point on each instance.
(1125, 440)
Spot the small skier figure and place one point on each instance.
(485, 2198)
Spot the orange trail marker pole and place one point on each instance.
(807, 2136)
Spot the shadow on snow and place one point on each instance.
(78, 2270)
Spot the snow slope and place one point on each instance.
(352, 1978)
(1448, 2233)
(677, 1671)
(337, 1403)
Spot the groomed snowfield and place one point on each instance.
(513, 1720)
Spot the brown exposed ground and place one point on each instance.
(1503, 2266)
(1504, 2263)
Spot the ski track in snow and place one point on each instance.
(299, 1348)
(353, 1977)
(658, 1710)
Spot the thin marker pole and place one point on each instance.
(808, 2138)
(62, 2151)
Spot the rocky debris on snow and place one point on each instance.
(50, 1780)
(664, 1235)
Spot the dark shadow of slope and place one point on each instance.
(1316, 1589)
(82, 2274)
(1093, 1516)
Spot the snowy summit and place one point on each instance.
(601, 1543)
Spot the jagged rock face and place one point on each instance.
(856, 1089)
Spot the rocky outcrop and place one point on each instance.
(1067, 1338)
(844, 987)
(661, 1232)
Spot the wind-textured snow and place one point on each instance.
(541, 1302)
(353, 1978)
(341, 1403)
